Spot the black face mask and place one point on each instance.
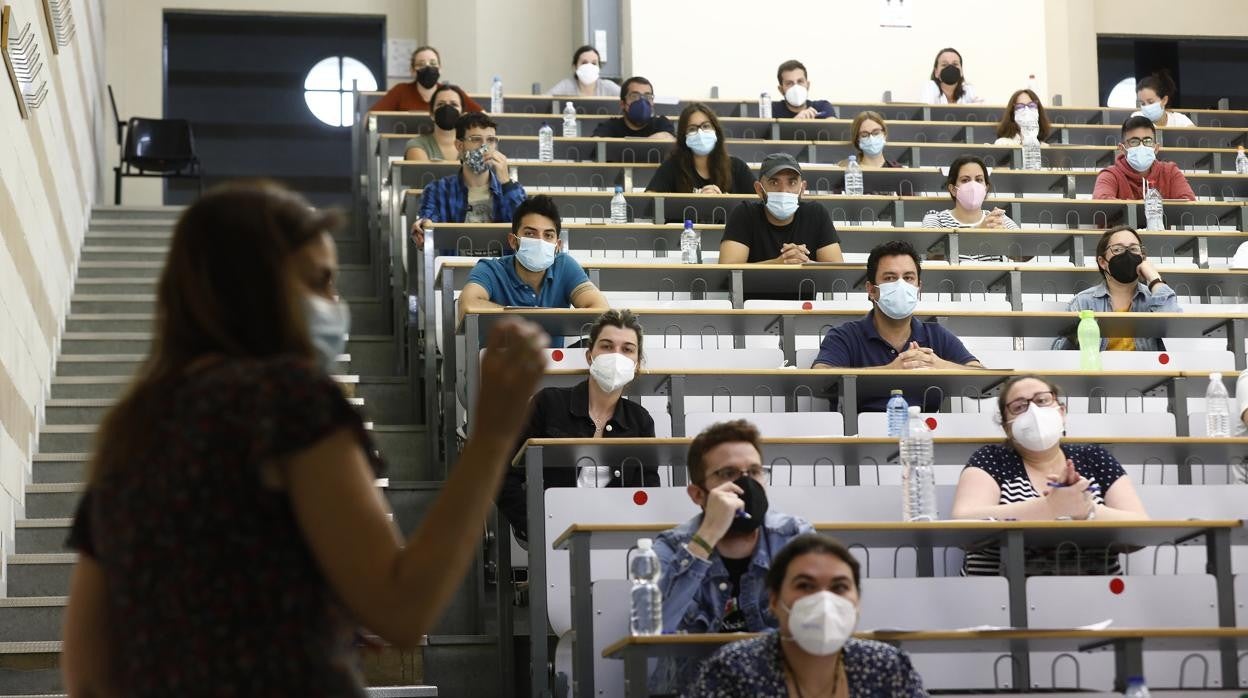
(445, 117)
(755, 498)
(1123, 267)
(428, 76)
(950, 74)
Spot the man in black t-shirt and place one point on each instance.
(639, 119)
(781, 228)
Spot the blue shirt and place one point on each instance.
(858, 344)
(1096, 299)
(446, 200)
(498, 276)
(781, 109)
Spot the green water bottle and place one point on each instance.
(1089, 334)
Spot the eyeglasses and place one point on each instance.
(478, 141)
(705, 127)
(868, 134)
(1044, 398)
(426, 64)
(1115, 250)
(1032, 105)
(634, 96)
(729, 474)
(1147, 140)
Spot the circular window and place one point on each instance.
(327, 89)
(1123, 95)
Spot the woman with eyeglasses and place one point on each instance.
(1033, 476)
(700, 162)
(1008, 131)
(1130, 284)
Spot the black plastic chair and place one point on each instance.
(163, 148)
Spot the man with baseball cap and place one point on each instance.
(781, 228)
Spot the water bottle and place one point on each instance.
(853, 177)
(918, 480)
(1136, 688)
(1089, 334)
(1217, 408)
(1029, 126)
(570, 127)
(690, 245)
(898, 413)
(764, 107)
(1154, 211)
(647, 600)
(496, 96)
(619, 207)
(546, 143)
(1241, 162)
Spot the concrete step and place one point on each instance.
(135, 213)
(40, 575)
(30, 669)
(52, 500)
(390, 399)
(96, 310)
(373, 355)
(128, 235)
(39, 536)
(94, 270)
(107, 303)
(119, 367)
(353, 279)
(101, 253)
(109, 322)
(58, 467)
(31, 618)
(97, 343)
(402, 447)
(64, 411)
(118, 286)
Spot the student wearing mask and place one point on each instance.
(947, 83)
(869, 134)
(795, 88)
(537, 275)
(1136, 163)
(1033, 476)
(638, 119)
(1129, 283)
(416, 95)
(780, 228)
(700, 162)
(890, 336)
(968, 185)
(592, 409)
(814, 588)
(585, 81)
(714, 565)
(1008, 131)
(445, 108)
(1154, 94)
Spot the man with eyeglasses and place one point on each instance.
(714, 566)
(638, 119)
(1129, 283)
(1136, 163)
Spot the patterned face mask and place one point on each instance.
(475, 159)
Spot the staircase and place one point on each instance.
(106, 337)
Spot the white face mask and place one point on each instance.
(612, 371)
(329, 325)
(796, 96)
(821, 623)
(1039, 428)
(587, 73)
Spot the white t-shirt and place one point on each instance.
(1175, 119)
(931, 94)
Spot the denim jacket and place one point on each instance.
(1096, 299)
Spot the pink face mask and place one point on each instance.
(971, 194)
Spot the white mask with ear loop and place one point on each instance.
(1039, 428)
(822, 622)
(612, 371)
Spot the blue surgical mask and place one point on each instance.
(1153, 111)
(639, 112)
(329, 325)
(701, 142)
(782, 204)
(898, 299)
(872, 145)
(535, 255)
(1141, 157)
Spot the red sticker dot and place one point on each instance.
(1164, 359)
(1116, 585)
(808, 306)
(931, 422)
(556, 355)
(640, 498)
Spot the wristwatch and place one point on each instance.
(1154, 282)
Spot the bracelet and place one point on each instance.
(697, 540)
(1154, 282)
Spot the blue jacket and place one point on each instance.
(446, 200)
(1096, 299)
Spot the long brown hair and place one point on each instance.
(227, 289)
(717, 162)
(1007, 127)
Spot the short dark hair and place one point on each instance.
(1102, 245)
(623, 319)
(576, 55)
(792, 64)
(805, 544)
(736, 431)
(892, 248)
(540, 204)
(472, 119)
(1160, 82)
(955, 168)
(1134, 122)
(446, 87)
(635, 78)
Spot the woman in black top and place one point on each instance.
(231, 537)
(699, 163)
(591, 409)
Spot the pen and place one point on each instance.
(742, 514)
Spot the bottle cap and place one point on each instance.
(1086, 315)
(853, 158)
(913, 410)
(896, 391)
(619, 189)
(644, 543)
(1216, 376)
(688, 223)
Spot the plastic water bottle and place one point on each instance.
(918, 480)
(764, 107)
(570, 128)
(1136, 688)
(853, 177)
(1241, 162)
(1217, 408)
(1029, 126)
(647, 600)
(1154, 210)
(898, 411)
(619, 207)
(690, 245)
(496, 96)
(1089, 334)
(546, 143)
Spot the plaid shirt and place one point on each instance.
(446, 200)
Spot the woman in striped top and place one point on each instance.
(968, 185)
(1034, 477)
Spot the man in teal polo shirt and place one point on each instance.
(537, 275)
